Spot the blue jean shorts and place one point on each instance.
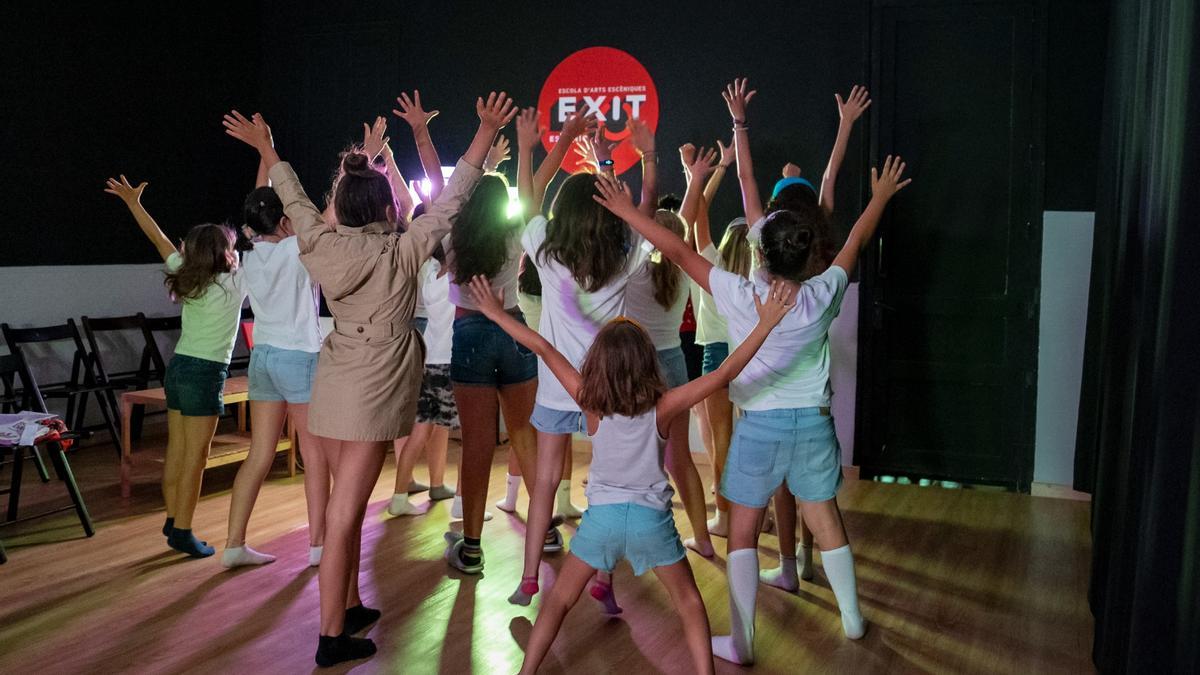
(195, 386)
(646, 537)
(281, 374)
(715, 354)
(793, 445)
(420, 323)
(551, 421)
(482, 353)
(674, 367)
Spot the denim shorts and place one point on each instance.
(715, 354)
(551, 421)
(420, 323)
(281, 374)
(194, 386)
(646, 537)
(793, 445)
(674, 367)
(482, 353)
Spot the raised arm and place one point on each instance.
(527, 138)
(770, 313)
(848, 112)
(576, 125)
(615, 197)
(736, 98)
(418, 118)
(404, 197)
(702, 229)
(701, 161)
(493, 308)
(884, 184)
(132, 196)
(497, 154)
(714, 181)
(643, 141)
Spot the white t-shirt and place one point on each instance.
(662, 324)
(439, 331)
(791, 370)
(571, 317)
(531, 307)
(505, 279)
(282, 295)
(210, 322)
(710, 325)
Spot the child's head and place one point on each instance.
(790, 245)
(262, 213)
(483, 233)
(666, 275)
(362, 195)
(734, 249)
(670, 202)
(208, 250)
(620, 372)
(792, 194)
(583, 236)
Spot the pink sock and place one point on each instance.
(604, 593)
(529, 585)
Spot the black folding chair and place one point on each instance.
(27, 396)
(82, 382)
(115, 381)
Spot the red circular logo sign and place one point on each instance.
(608, 82)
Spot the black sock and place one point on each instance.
(185, 542)
(335, 650)
(168, 526)
(472, 551)
(359, 617)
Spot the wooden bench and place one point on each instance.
(226, 448)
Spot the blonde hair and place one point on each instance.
(734, 249)
(664, 274)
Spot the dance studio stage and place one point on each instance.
(951, 581)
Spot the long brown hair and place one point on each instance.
(483, 233)
(207, 252)
(583, 236)
(664, 274)
(734, 249)
(620, 372)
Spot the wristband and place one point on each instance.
(605, 164)
(741, 127)
(737, 121)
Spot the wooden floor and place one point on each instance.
(950, 581)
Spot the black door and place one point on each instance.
(948, 311)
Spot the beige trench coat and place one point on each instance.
(370, 367)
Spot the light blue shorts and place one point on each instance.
(646, 537)
(551, 421)
(793, 445)
(281, 374)
(674, 367)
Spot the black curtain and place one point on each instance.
(1139, 421)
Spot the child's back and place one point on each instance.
(627, 463)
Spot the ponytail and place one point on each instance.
(664, 274)
(261, 213)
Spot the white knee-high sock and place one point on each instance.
(742, 569)
(839, 569)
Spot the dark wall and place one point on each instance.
(140, 90)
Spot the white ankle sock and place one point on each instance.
(456, 510)
(244, 555)
(804, 557)
(718, 525)
(400, 506)
(742, 569)
(784, 576)
(314, 555)
(565, 508)
(839, 569)
(509, 503)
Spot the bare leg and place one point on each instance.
(435, 454)
(550, 450)
(358, 464)
(571, 580)
(825, 520)
(687, 481)
(786, 575)
(266, 421)
(478, 408)
(720, 420)
(316, 473)
(516, 400)
(681, 585)
(173, 463)
(197, 434)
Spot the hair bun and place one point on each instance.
(357, 164)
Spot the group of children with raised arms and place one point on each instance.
(430, 332)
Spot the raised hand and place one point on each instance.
(727, 153)
(485, 300)
(791, 170)
(128, 193)
(497, 155)
(777, 304)
(854, 105)
(887, 182)
(736, 98)
(600, 147)
(496, 111)
(702, 164)
(641, 136)
(411, 111)
(375, 137)
(255, 133)
(579, 126)
(528, 133)
(614, 196)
